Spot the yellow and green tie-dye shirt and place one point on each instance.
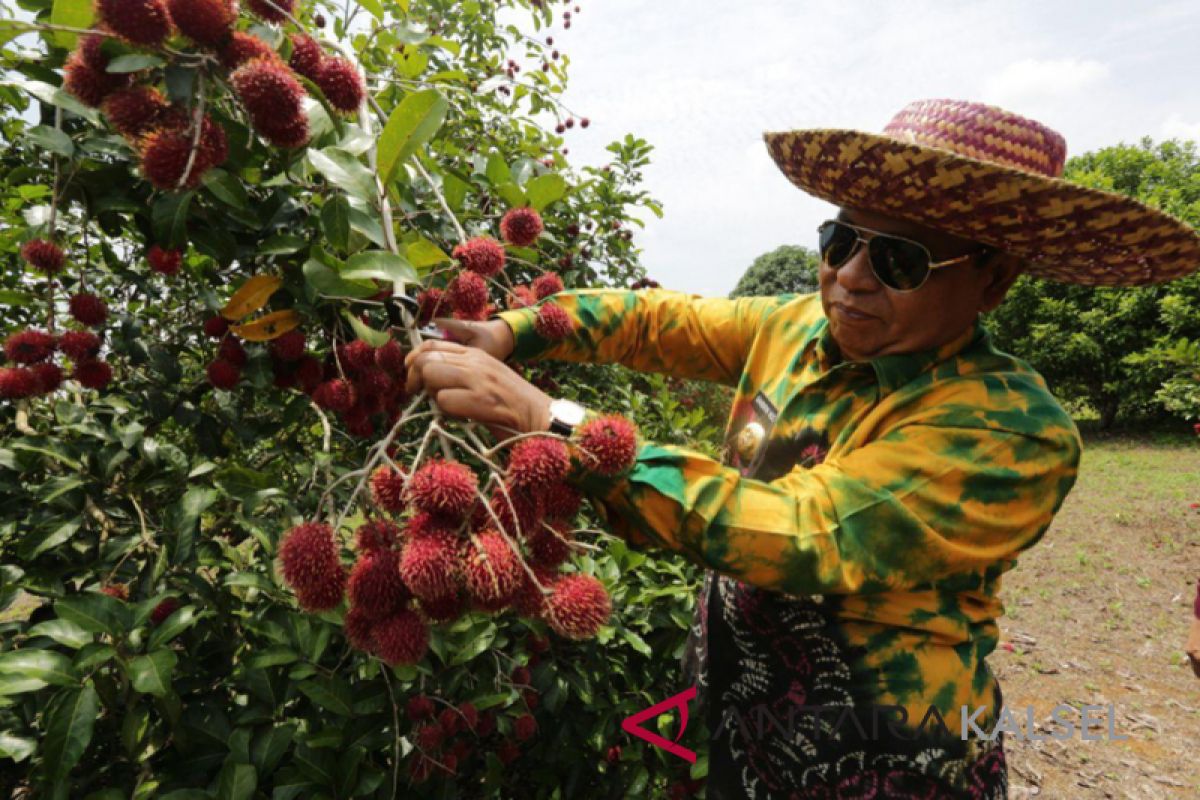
(901, 487)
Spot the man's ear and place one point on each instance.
(1002, 270)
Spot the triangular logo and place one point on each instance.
(633, 725)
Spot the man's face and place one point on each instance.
(907, 322)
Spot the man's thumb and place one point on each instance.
(457, 330)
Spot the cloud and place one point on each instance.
(1176, 128)
(1032, 79)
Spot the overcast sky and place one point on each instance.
(701, 80)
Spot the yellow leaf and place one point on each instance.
(267, 327)
(251, 296)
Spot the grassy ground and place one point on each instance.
(1097, 613)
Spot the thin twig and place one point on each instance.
(198, 125)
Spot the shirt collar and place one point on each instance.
(896, 369)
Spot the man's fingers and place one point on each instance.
(433, 345)
(436, 371)
(460, 330)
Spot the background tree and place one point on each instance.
(786, 269)
(1114, 349)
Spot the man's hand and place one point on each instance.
(493, 336)
(469, 383)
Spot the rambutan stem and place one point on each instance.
(395, 731)
(22, 420)
(197, 128)
(57, 175)
(326, 444)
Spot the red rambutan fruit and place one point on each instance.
(163, 610)
(375, 585)
(88, 309)
(552, 323)
(231, 350)
(521, 297)
(335, 395)
(449, 721)
(289, 346)
(609, 443)
(208, 23)
(491, 569)
(17, 383)
(421, 768)
(358, 423)
(44, 256)
(306, 56)
(276, 11)
(430, 736)
(29, 346)
(468, 293)
(431, 303)
(118, 591)
(49, 376)
(445, 488)
(269, 91)
(341, 84)
(141, 22)
(89, 81)
(286, 132)
(135, 110)
(377, 534)
(356, 356)
(521, 226)
(165, 156)
(402, 638)
(526, 506)
(241, 47)
(561, 501)
(390, 357)
(166, 262)
(359, 627)
(429, 565)
(537, 462)
(419, 707)
(550, 544)
(91, 51)
(283, 374)
(216, 326)
(482, 255)
(521, 676)
(578, 607)
(508, 751)
(546, 284)
(387, 489)
(308, 557)
(444, 609)
(79, 345)
(223, 374)
(529, 600)
(524, 727)
(308, 374)
(214, 145)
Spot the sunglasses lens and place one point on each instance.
(837, 243)
(898, 264)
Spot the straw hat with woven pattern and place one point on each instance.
(991, 176)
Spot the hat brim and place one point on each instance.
(1064, 231)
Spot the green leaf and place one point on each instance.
(411, 125)
(335, 222)
(52, 139)
(327, 282)
(273, 657)
(71, 14)
(330, 694)
(55, 96)
(38, 542)
(498, 172)
(269, 747)
(45, 665)
(70, 719)
(545, 189)
(381, 265)
(366, 333)
(20, 684)
(226, 188)
(281, 244)
(423, 254)
(512, 194)
(344, 171)
(133, 62)
(95, 612)
(179, 621)
(15, 747)
(237, 782)
(93, 654)
(9, 297)
(62, 631)
(637, 642)
(374, 7)
(169, 217)
(152, 674)
(478, 644)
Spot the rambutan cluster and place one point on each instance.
(273, 97)
(86, 75)
(175, 156)
(31, 351)
(362, 384)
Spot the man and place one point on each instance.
(884, 463)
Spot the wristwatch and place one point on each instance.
(565, 415)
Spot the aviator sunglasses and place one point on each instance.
(900, 264)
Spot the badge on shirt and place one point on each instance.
(750, 434)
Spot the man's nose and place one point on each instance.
(856, 275)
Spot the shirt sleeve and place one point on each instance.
(649, 330)
(920, 504)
